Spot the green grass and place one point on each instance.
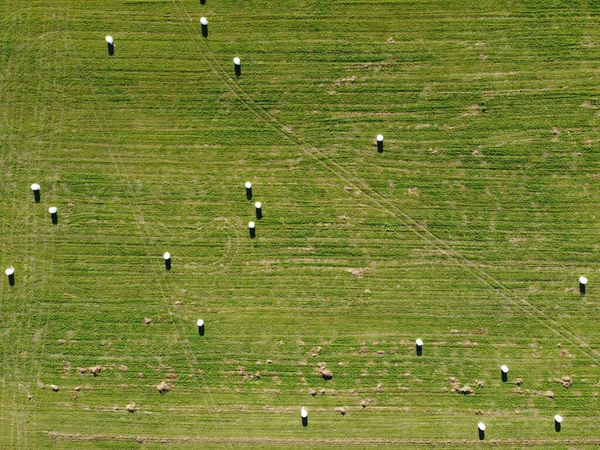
(469, 231)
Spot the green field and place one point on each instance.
(469, 231)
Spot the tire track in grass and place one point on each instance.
(380, 201)
(7, 230)
(17, 246)
(145, 235)
(27, 318)
(36, 239)
(52, 108)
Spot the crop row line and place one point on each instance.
(381, 201)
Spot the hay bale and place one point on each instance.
(140, 375)
(326, 374)
(163, 387)
(54, 387)
(147, 320)
(95, 370)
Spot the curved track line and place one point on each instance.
(384, 204)
(17, 365)
(163, 285)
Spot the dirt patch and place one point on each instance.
(358, 272)
(163, 387)
(327, 374)
(547, 394)
(132, 408)
(171, 376)
(323, 371)
(566, 353)
(347, 80)
(565, 382)
(475, 109)
(66, 367)
(456, 387)
(413, 191)
(466, 390)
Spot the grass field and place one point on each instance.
(468, 231)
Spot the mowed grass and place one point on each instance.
(469, 231)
